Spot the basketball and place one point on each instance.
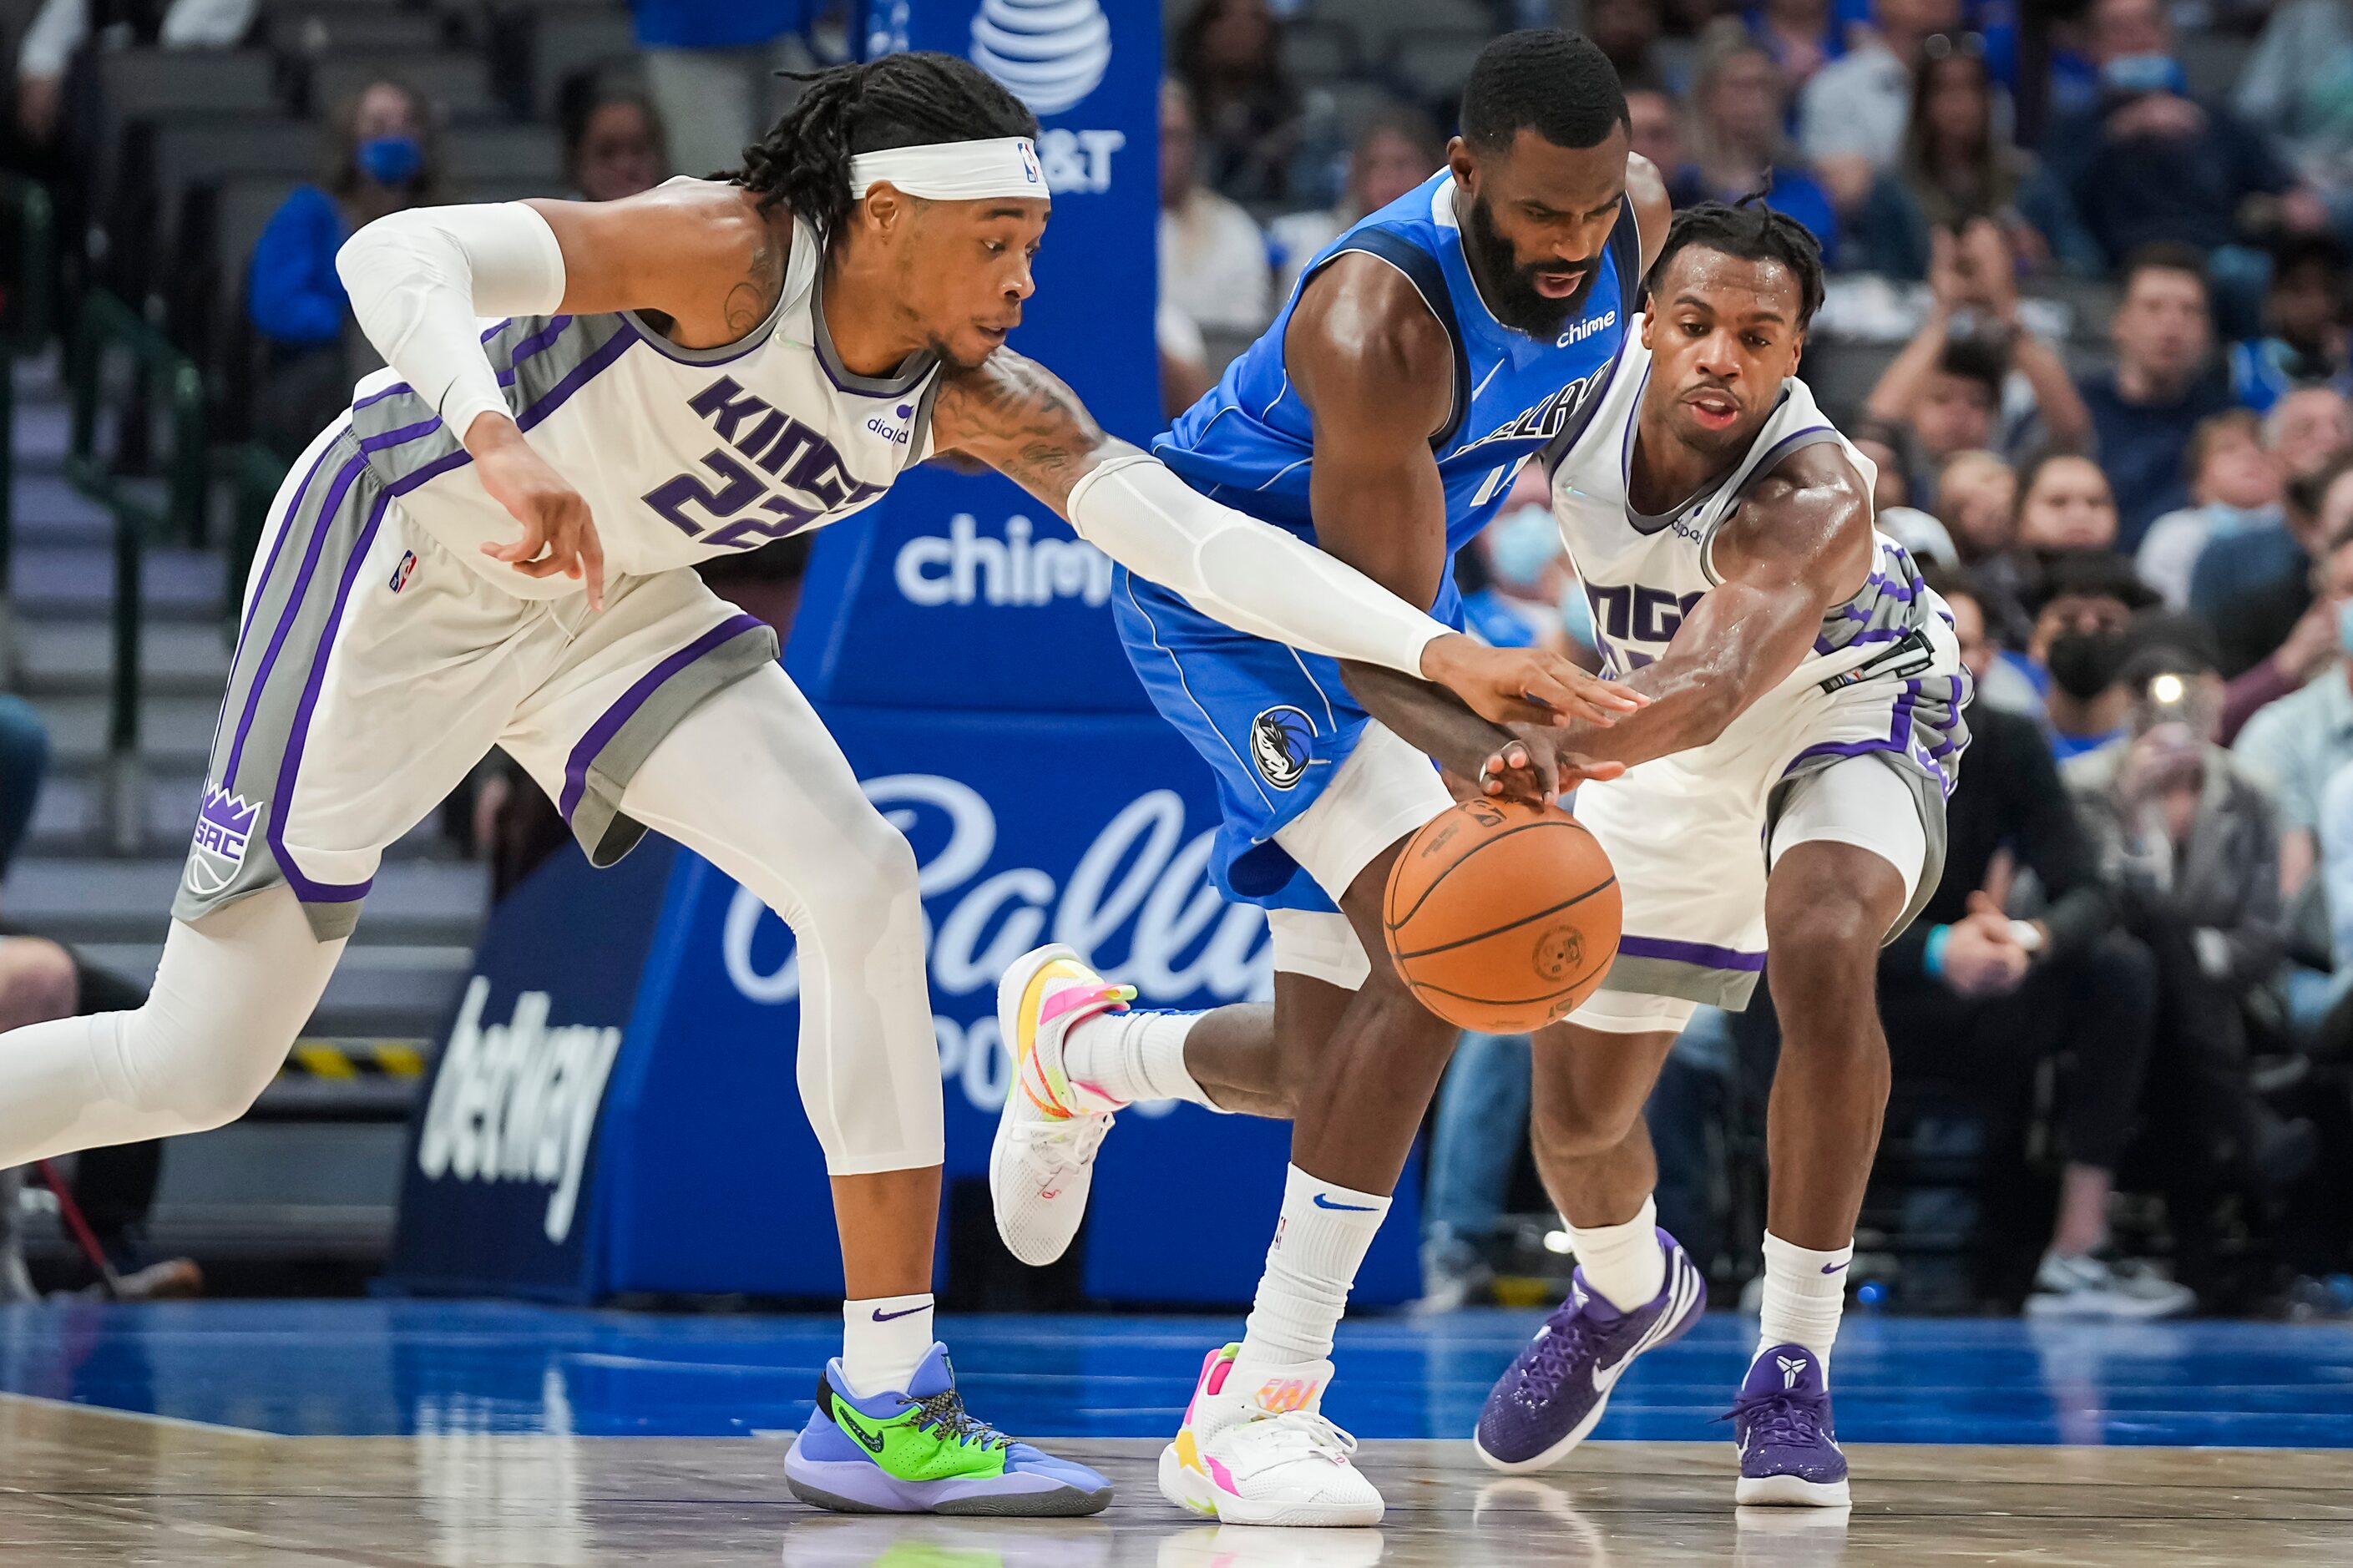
(1502, 916)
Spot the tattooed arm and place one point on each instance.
(1018, 418)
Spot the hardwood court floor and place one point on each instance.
(399, 1435)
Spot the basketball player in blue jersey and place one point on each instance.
(1424, 356)
(496, 546)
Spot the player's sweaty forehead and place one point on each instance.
(1729, 287)
(1540, 179)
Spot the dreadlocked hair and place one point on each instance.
(912, 100)
(1751, 231)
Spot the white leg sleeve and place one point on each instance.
(231, 994)
(751, 781)
(1862, 802)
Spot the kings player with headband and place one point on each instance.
(1784, 789)
(495, 547)
(1425, 356)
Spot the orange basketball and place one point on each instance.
(1502, 916)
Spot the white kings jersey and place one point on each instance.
(681, 454)
(1643, 574)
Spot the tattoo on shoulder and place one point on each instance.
(750, 300)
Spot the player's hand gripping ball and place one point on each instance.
(1502, 916)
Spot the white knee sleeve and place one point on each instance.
(751, 783)
(230, 997)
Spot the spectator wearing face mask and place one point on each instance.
(2145, 409)
(2303, 337)
(2235, 486)
(382, 161)
(1969, 995)
(2149, 164)
(1397, 148)
(1947, 384)
(1519, 589)
(2255, 586)
(2083, 611)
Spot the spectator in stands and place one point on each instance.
(62, 26)
(1969, 995)
(2235, 486)
(2304, 339)
(1654, 130)
(1977, 497)
(2293, 87)
(1956, 167)
(2255, 588)
(2147, 408)
(1628, 32)
(613, 142)
(2308, 428)
(1947, 384)
(713, 67)
(1213, 257)
(2083, 610)
(383, 160)
(2303, 739)
(1738, 145)
(2147, 163)
(1803, 37)
(1852, 117)
(1519, 589)
(1888, 446)
(1229, 53)
(1397, 148)
(2189, 843)
(2064, 507)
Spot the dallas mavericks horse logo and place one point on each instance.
(1279, 738)
(224, 826)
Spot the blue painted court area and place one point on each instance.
(362, 1368)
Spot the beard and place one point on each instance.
(1512, 294)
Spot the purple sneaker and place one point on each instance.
(1781, 1424)
(1550, 1397)
(918, 1452)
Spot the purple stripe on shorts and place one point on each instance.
(281, 798)
(405, 434)
(609, 723)
(344, 477)
(1699, 952)
(397, 389)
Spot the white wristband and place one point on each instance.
(1250, 574)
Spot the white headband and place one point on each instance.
(953, 170)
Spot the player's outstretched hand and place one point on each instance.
(558, 534)
(1539, 767)
(1523, 685)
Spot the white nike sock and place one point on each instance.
(883, 1339)
(1117, 1059)
(1319, 1244)
(1623, 1264)
(1805, 1291)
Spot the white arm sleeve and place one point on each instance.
(1248, 573)
(420, 279)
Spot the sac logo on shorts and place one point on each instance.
(224, 826)
(1279, 738)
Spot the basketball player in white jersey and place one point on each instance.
(1784, 788)
(494, 548)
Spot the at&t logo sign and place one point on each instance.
(1050, 54)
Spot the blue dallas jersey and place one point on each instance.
(1275, 724)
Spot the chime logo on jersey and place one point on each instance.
(224, 826)
(1279, 738)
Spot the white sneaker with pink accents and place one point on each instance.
(1255, 1448)
(1043, 1161)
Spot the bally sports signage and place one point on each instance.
(581, 1138)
